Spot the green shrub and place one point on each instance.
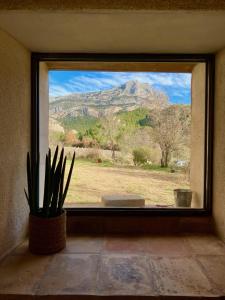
(141, 156)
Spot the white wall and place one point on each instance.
(219, 147)
(197, 134)
(14, 140)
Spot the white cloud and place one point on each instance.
(58, 90)
(171, 79)
(178, 94)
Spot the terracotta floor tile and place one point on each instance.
(20, 274)
(205, 245)
(84, 244)
(125, 275)
(214, 267)
(174, 276)
(168, 246)
(137, 266)
(125, 244)
(70, 274)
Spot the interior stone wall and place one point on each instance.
(197, 134)
(14, 140)
(219, 147)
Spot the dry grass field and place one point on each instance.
(91, 180)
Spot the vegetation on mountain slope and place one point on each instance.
(128, 118)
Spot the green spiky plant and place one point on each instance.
(54, 189)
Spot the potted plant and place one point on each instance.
(47, 224)
(183, 197)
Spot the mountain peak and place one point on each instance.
(126, 97)
(135, 87)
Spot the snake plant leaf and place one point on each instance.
(29, 182)
(50, 182)
(60, 203)
(33, 182)
(49, 154)
(28, 200)
(47, 199)
(61, 157)
(36, 181)
(46, 181)
(54, 160)
(56, 183)
(55, 194)
(68, 178)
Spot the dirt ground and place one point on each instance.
(90, 181)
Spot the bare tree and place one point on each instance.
(111, 131)
(170, 131)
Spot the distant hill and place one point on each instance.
(126, 97)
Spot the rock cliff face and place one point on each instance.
(126, 97)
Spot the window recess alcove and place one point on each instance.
(141, 125)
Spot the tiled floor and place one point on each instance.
(97, 267)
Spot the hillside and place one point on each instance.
(124, 98)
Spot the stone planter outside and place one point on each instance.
(183, 197)
(120, 200)
(47, 235)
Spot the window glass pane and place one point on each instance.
(138, 136)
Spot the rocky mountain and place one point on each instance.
(126, 97)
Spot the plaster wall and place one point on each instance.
(14, 140)
(219, 147)
(116, 32)
(197, 134)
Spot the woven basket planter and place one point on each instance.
(47, 235)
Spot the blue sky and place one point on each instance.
(176, 85)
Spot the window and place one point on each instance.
(141, 126)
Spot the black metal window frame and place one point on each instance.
(209, 61)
